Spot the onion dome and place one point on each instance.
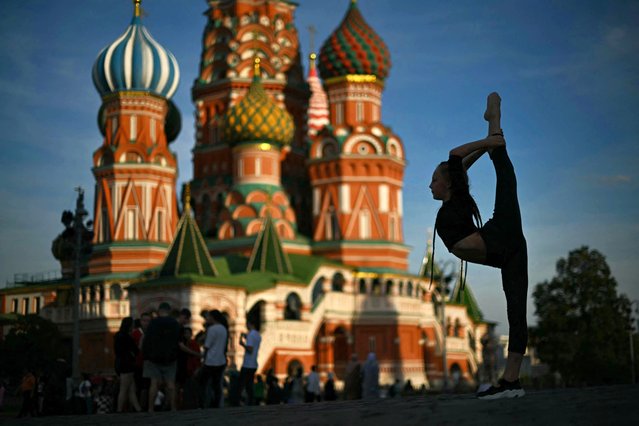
(354, 48)
(258, 118)
(136, 62)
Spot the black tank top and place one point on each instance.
(455, 217)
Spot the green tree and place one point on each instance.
(32, 342)
(583, 323)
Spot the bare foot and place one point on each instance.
(493, 107)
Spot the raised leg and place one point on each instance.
(493, 113)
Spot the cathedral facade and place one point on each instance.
(293, 216)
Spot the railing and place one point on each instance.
(88, 310)
(298, 335)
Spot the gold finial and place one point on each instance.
(187, 197)
(256, 68)
(312, 57)
(136, 4)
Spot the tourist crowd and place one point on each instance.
(161, 365)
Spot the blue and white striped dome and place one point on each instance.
(135, 61)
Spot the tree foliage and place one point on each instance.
(33, 342)
(583, 323)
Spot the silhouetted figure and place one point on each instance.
(370, 377)
(160, 348)
(234, 385)
(215, 346)
(251, 344)
(259, 390)
(329, 388)
(313, 390)
(27, 390)
(353, 379)
(273, 389)
(499, 243)
(126, 351)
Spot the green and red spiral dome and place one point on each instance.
(354, 48)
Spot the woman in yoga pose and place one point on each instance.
(499, 242)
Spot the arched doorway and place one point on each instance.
(293, 366)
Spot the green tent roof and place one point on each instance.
(188, 253)
(462, 295)
(268, 254)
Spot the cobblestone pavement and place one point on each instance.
(618, 405)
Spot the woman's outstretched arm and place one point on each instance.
(483, 144)
(470, 159)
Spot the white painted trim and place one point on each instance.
(344, 198)
(383, 198)
(366, 138)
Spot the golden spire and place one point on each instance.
(136, 4)
(256, 68)
(187, 197)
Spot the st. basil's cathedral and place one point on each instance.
(293, 216)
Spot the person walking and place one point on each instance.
(251, 344)
(313, 390)
(126, 352)
(499, 243)
(215, 346)
(160, 348)
(370, 377)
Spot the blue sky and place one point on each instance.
(567, 71)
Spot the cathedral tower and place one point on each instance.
(237, 32)
(357, 164)
(135, 172)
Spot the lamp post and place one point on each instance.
(78, 227)
(444, 280)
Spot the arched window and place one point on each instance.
(338, 282)
(389, 288)
(458, 328)
(409, 289)
(362, 286)
(115, 292)
(318, 291)
(377, 287)
(400, 290)
(256, 315)
(293, 310)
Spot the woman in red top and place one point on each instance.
(499, 242)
